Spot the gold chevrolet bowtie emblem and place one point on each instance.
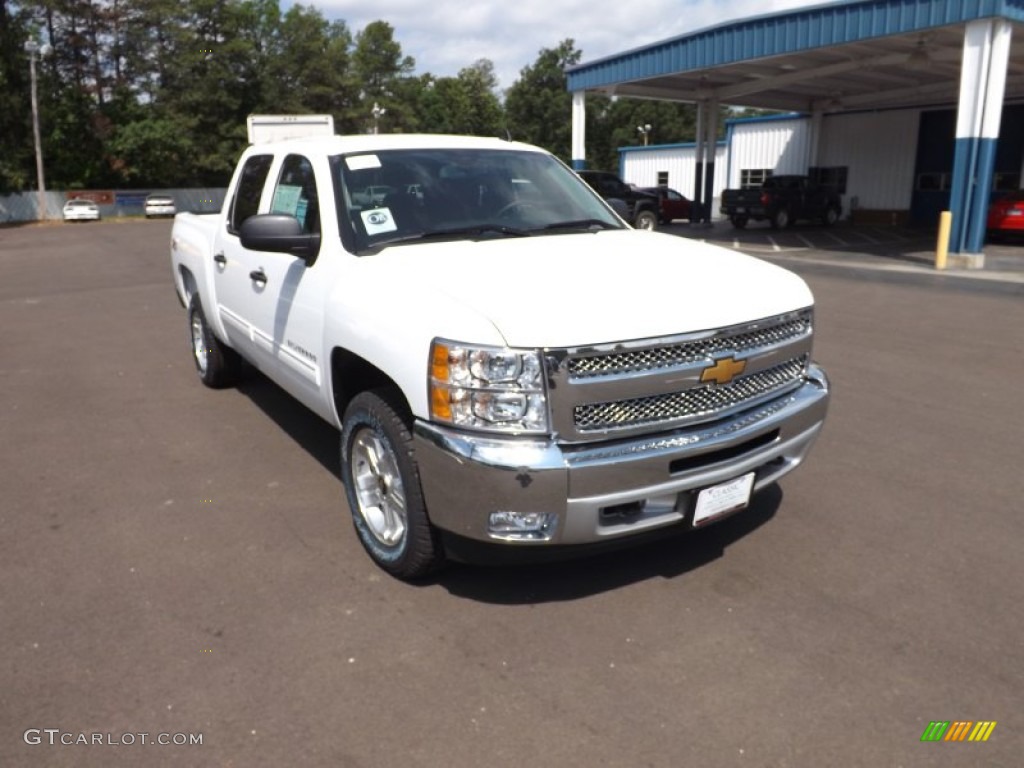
(724, 370)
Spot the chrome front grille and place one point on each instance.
(776, 331)
(690, 404)
(657, 384)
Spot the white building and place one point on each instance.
(878, 160)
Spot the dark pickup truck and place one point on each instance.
(640, 208)
(782, 200)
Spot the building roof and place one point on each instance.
(867, 54)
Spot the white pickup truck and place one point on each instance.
(507, 361)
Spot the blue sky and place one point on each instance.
(446, 35)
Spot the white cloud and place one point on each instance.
(443, 36)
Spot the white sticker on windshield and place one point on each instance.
(378, 221)
(362, 162)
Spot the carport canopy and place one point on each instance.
(843, 56)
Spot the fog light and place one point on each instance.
(522, 526)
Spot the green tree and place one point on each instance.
(156, 92)
(465, 104)
(212, 82)
(153, 151)
(538, 106)
(16, 155)
(308, 70)
(485, 116)
(154, 33)
(72, 82)
(613, 123)
(383, 77)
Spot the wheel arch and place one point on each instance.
(189, 285)
(352, 374)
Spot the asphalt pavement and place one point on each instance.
(892, 252)
(178, 562)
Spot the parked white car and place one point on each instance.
(160, 205)
(81, 210)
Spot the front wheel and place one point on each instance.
(646, 220)
(382, 484)
(216, 363)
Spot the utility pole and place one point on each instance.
(32, 48)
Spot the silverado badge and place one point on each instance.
(724, 370)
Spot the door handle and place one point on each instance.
(258, 275)
(220, 259)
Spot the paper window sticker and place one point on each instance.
(301, 207)
(362, 162)
(378, 221)
(286, 199)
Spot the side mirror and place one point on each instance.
(279, 233)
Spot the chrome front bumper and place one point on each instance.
(601, 491)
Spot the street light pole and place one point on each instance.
(644, 130)
(32, 48)
(378, 111)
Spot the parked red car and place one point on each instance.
(671, 204)
(1006, 215)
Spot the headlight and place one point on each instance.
(489, 388)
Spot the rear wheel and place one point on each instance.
(216, 363)
(831, 216)
(739, 222)
(382, 483)
(781, 219)
(645, 220)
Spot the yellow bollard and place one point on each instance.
(942, 246)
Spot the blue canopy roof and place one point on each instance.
(867, 35)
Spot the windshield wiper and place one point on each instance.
(475, 229)
(479, 229)
(589, 225)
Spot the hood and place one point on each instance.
(596, 288)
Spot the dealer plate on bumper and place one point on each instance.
(723, 498)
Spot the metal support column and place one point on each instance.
(711, 151)
(982, 89)
(814, 148)
(698, 166)
(579, 130)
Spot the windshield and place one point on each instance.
(417, 195)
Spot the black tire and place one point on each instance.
(216, 363)
(831, 216)
(739, 222)
(645, 220)
(377, 451)
(781, 219)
